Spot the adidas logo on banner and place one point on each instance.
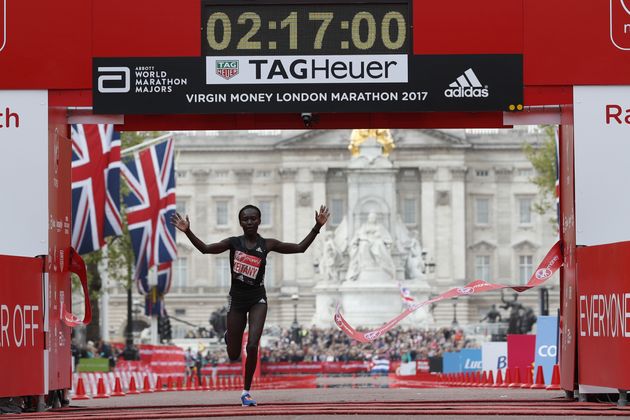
(466, 86)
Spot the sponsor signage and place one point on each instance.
(494, 357)
(3, 24)
(470, 360)
(546, 345)
(620, 24)
(450, 362)
(21, 327)
(24, 169)
(307, 83)
(521, 350)
(603, 315)
(466, 360)
(602, 147)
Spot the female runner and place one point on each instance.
(248, 256)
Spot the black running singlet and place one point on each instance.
(247, 265)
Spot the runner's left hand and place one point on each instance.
(322, 217)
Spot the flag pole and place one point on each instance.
(145, 144)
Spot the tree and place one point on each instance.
(543, 159)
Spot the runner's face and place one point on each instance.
(249, 221)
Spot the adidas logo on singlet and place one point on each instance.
(259, 249)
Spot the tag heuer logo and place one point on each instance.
(227, 68)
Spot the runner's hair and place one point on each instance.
(249, 206)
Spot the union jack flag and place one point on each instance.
(150, 175)
(154, 300)
(95, 186)
(405, 295)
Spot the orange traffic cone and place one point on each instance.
(159, 387)
(517, 378)
(132, 386)
(490, 381)
(169, 383)
(189, 384)
(180, 384)
(80, 392)
(146, 385)
(499, 381)
(100, 389)
(528, 378)
(540, 379)
(480, 378)
(508, 378)
(118, 392)
(204, 384)
(555, 379)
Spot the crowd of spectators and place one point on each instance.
(318, 345)
(332, 345)
(100, 349)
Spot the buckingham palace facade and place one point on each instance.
(467, 194)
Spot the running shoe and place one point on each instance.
(247, 400)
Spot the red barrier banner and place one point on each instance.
(21, 326)
(550, 264)
(603, 315)
(300, 368)
(163, 360)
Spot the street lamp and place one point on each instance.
(129, 352)
(295, 327)
(454, 323)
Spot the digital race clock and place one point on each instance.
(238, 29)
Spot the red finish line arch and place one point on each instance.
(51, 46)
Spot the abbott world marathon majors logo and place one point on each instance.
(307, 69)
(466, 86)
(145, 79)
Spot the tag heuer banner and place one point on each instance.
(313, 83)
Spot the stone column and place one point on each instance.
(201, 224)
(311, 202)
(288, 232)
(427, 182)
(458, 214)
(503, 222)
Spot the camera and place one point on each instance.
(307, 119)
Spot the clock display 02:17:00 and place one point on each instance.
(305, 29)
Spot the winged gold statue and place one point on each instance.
(383, 137)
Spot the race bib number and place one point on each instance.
(246, 265)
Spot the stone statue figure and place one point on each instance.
(492, 315)
(369, 249)
(328, 264)
(218, 320)
(515, 309)
(414, 261)
(521, 319)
